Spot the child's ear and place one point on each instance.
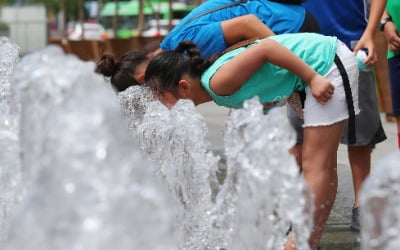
(184, 89)
(140, 78)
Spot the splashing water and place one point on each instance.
(267, 193)
(89, 187)
(380, 206)
(144, 116)
(10, 164)
(42, 81)
(176, 141)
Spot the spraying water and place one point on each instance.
(267, 194)
(88, 185)
(257, 217)
(176, 141)
(10, 164)
(380, 206)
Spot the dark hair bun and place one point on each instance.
(194, 53)
(105, 65)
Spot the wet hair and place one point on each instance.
(166, 69)
(121, 72)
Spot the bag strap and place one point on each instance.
(349, 99)
(239, 44)
(215, 9)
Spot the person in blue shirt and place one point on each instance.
(349, 21)
(209, 31)
(213, 32)
(273, 69)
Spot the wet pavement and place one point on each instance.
(337, 234)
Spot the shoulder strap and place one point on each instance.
(243, 43)
(240, 44)
(215, 9)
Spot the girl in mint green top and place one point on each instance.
(281, 82)
(273, 69)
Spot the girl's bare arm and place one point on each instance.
(229, 78)
(243, 28)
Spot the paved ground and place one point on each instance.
(337, 234)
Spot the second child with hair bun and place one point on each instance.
(274, 69)
(129, 69)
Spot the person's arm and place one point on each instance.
(243, 28)
(391, 34)
(367, 39)
(248, 62)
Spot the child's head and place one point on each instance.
(166, 70)
(126, 72)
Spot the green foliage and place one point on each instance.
(54, 6)
(3, 26)
(4, 2)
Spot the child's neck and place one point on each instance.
(202, 97)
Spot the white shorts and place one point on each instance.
(334, 110)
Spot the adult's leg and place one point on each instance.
(320, 171)
(367, 137)
(360, 163)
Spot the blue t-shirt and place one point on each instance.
(345, 19)
(206, 31)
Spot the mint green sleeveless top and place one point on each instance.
(272, 84)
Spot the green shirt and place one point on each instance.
(393, 8)
(271, 83)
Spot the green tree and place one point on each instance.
(3, 2)
(54, 6)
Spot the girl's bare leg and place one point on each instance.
(320, 171)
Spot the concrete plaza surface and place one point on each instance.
(337, 234)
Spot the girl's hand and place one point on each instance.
(321, 88)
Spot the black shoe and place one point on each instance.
(355, 220)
